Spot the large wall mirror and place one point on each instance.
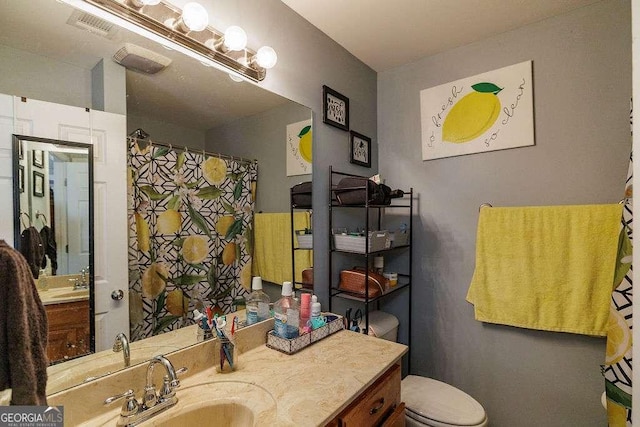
(186, 105)
(53, 229)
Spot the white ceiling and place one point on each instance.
(386, 34)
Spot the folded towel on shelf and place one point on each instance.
(546, 267)
(23, 331)
(272, 246)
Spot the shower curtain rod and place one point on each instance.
(186, 149)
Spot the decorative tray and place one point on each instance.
(334, 324)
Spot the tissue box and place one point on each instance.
(291, 346)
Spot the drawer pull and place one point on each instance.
(379, 406)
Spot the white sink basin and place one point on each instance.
(219, 403)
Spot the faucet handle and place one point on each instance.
(130, 405)
(176, 382)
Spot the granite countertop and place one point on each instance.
(310, 387)
(60, 290)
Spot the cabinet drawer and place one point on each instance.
(376, 403)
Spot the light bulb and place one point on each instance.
(266, 57)
(235, 38)
(142, 3)
(195, 16)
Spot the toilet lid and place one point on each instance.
(435, 400)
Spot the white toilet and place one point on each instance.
(429, 402)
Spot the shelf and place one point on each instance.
(371, 252)
(336, 292)
(337, 205)
(373, 217)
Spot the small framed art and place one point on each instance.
(38, 158)
(335, 108)
(360, 153)
(38, 184)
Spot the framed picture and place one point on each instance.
(21, 178)
(38, 158)
(360, 149)
(38, 184)
(335, 108)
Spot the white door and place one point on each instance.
(107, 133)
(77, 215)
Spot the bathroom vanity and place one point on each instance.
(68, 317)
(344, 379)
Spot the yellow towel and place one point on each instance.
(548, 268)
(272, 247)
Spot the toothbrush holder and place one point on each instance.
(225, 356)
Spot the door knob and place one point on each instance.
(117, 295)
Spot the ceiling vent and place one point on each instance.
(88, 22)
(140, 59)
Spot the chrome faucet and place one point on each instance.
(121, 343)
(83, 281)
(134, 412)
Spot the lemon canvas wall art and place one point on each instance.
(299, 148)
(485, 112)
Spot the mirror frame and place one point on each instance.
(17, 141)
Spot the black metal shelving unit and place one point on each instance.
(402, 204)
(301, 286)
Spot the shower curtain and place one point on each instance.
(617, 369)
(190, 235)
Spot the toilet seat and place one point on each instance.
(435, 403)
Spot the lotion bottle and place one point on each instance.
(286, 312)
(257, 303)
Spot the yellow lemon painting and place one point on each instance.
(305, 143)
(472, 115)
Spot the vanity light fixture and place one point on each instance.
(187, 31)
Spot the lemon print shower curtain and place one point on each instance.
(190, 235)
(617, 368)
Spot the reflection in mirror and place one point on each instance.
(186, 104)
(53, 229)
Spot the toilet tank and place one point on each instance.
(383, 325)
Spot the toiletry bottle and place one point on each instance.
(286, 313)
(305, 309)
(316, 319)
(257, 303)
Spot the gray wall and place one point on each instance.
(308, 59)
(582, 86)
(163, 131)
(31, 76)
(263, 137)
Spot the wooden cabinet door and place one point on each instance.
(376, 404)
